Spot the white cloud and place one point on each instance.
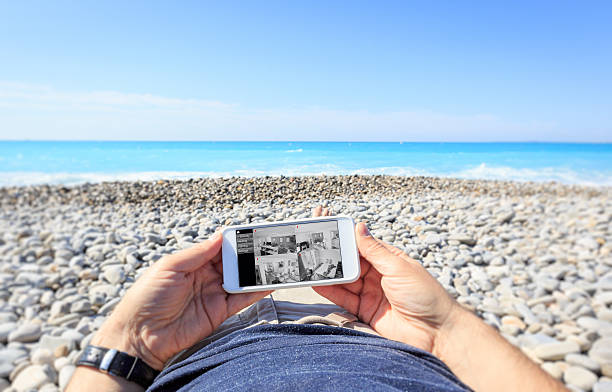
(43, 112)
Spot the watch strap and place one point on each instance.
(118, 364)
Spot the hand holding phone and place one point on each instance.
(308, 252)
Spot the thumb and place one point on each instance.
(193, 258)
(375, 252)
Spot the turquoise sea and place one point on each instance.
(34, 162)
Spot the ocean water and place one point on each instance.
(33, 162)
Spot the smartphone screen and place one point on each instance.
(288, 253)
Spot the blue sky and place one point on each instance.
(443, 71)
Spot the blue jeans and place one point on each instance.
(299, 357)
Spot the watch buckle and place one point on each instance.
(107, 360)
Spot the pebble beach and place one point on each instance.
(534, 260)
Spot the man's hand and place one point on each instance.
(403, 302)
(394, 294)
(177, 302)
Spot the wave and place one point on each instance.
(296, 150)
(482, 171)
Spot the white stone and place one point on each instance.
(64, 376)
(556, 350)
(582, 361)
(114, 274)
(33, 377)
(51, 343)
(42, 356)
(580, 377)
(602, 386)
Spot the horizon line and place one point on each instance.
(299, 141)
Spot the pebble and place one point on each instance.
(602, 386)
(533, 259)
(580, 377)
(33, 377)
(25, 333)
(64, 375)
(555, 350)
(114, 274)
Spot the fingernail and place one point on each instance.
(363, 230)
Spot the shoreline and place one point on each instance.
(534, 260)
(201, 190)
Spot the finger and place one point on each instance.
(326, 212)
(374, 251)
(340, 296)
(317, 211)
(237, 302)
(193, 258)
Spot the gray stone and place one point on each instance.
(109, 306)
(555, 351)
(7, 317)
(6, 368)
(580, 377)
(25, 333)
(82, 305)
(463, 238)
(10, 355)
(5, 330)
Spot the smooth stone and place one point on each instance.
(42, 356)
(52, 343)
(552, 369)
(114, 274)
(582, 361)
(580, 377)
(59, 363)
(433, 239)
(601, 351)
(4, 385)
(464, 239)
(6, 368)
(7, 317)
(33, 377)
(602, 386)
(64, 376)
(49, 387)
(5, 331)
(109, 306)
(10, 355)
(555, 350)
(588, 242)
(25, 333)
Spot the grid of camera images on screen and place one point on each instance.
(297, 253)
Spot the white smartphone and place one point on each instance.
(275, 255)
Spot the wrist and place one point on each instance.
(115, 335)
(456, 321)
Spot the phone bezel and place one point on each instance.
(348, 252)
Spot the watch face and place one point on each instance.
(92, 355)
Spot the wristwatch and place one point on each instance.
(118, 364)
